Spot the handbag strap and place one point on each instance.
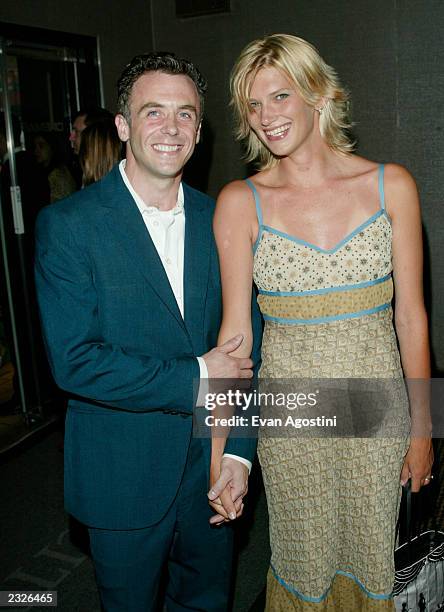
(408, 511)
(407, 520)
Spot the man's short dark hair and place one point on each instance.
(94, 114)
(151, 62)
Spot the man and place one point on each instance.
(83, 119)
(129, 291)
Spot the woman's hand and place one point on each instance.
(226, 509)
(418, 463)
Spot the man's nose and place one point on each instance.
(170, 125)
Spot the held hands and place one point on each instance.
(228, 477)
(418, 463)
(229, 485)
(221, 364)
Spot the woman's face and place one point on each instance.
(277, 113)
(42, 151)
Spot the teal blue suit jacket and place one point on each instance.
(119, 346)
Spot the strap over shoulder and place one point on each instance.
(256, 201)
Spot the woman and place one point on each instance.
(60, 180)
(320, 231)
(100, 150)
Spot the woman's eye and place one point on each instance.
(282, 96)
(254, 105)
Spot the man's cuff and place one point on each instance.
(241, 459)
(203, 385)
(202, 367)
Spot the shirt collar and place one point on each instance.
(151, 210)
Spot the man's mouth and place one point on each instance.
(166, 148)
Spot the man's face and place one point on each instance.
(165, 124)
(76, 135)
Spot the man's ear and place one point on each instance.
(198, 133)
(122, 127)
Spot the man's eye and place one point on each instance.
(153, 113)
(185, 115)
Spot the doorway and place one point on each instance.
(46, 77)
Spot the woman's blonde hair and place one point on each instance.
(313, 79)
(100, 149)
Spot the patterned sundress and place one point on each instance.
(332, 502)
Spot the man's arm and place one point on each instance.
(81, 361)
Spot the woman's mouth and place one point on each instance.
(277, 133)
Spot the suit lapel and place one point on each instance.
(198, 236)
(125, 222)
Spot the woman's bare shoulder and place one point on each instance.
(236, 194)
(236, 203)
(234, 188)
(398, 177)
(401, 194)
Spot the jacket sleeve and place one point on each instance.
(81, 361)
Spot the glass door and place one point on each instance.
(45, 79)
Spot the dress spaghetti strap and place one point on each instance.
(381, 187)
(256, 201)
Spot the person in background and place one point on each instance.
(84, 118)
(60, 180)
(33, 186)
(326, 236)
(100, 150)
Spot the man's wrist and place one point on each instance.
(247, 463)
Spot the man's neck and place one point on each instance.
(160, 192)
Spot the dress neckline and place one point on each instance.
(315, 247)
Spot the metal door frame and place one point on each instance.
(25, 37)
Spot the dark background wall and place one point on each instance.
(388, 53)
(124, 29)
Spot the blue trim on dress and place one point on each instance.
(258, 213)
(382, 192)
(341, 317)
(352, 234)
(326, 289)
(324, 595)
(381, 186)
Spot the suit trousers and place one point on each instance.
(130, 565)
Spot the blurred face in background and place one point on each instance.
(42, 151)
(76, 135)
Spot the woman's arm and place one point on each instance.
(410, 317)
(235, 230)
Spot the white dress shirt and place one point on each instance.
(167, 231)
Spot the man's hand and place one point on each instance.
(228, 491)
(220, 364)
